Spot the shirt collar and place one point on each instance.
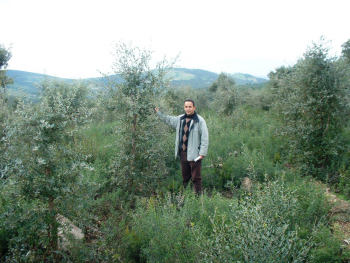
(194, 116)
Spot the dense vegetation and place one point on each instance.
(106, 162)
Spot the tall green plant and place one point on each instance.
(263, 226)
(346, 50)
(47, 162)
(225, 94)
(310, 102)
(4, 122)
(141, 161)
(5, 56)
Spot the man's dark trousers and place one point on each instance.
(191, 170)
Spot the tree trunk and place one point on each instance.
(53, 225)
(134, 136)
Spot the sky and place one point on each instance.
(77, 38)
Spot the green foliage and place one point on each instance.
(5, 56)
(47, 165)
(346, 51)
(329, 246)
(344, 182)
(43, 141)
(161, 235)
(313, 204)
(261, 98)
(23, 231)
(4, 81)
(116, 178)
(259, 230)
(225, 93)
(173, 99)
(5, 120)
(263, 227)
(139, 165)
(242, 146)
(310, 102)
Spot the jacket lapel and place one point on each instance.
(194, 119)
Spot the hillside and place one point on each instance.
(25, 82)
(246, 79)
(196, 78)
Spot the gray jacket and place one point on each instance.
(198, 140)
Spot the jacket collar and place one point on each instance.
(194, 117)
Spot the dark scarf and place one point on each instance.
(194, 116)
(186, 120)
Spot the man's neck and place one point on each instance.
(189, 116)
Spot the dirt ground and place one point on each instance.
(340, 213)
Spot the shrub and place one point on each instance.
(344, 182)
(260, 229)
(310, 101)
(242, 146)
(266, 226)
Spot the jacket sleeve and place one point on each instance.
(169, 120)
(204, 138)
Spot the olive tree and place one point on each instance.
(346, 50)
(343, 66)
(5, 113)
(5, 56)
(225, 94)
(309, 99)
(47, 160)
(140, 162)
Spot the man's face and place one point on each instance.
(189, 108)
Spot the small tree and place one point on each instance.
(346, 51)
(5, 56)
(141, 161)
(225, 93)
(343, 66)
(5, 119)
(310, 101)
(42, 143)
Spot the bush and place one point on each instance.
(329, 246)
(259, 229)
(344, 182)
(266, 226)
(310, 100)
(160, 233)
(243, 146)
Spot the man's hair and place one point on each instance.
(190, 101)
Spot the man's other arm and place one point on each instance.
(169, 120)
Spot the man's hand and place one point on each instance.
(156, 109)
(200, 157)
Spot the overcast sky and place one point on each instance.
(76, 38)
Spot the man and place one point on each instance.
(191, 142)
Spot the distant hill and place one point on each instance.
(196, 78)
(246, 79)
(25, 82)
